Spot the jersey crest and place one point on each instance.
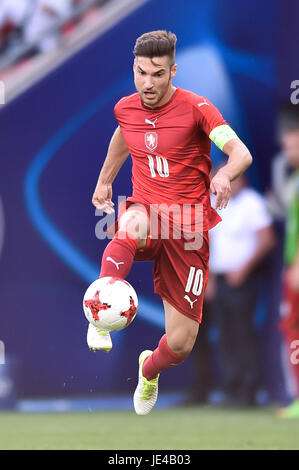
(151, 140)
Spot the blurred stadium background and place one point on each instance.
(62, 77)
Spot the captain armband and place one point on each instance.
(220, 135)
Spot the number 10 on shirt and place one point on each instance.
(158, 165)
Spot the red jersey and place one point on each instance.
(170, 149)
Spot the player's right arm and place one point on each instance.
(116, 156)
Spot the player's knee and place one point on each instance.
(134, 222)
(181, 345)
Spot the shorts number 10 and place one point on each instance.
(195, 281)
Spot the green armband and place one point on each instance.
(221, 135)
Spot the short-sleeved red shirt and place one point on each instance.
(170, 150)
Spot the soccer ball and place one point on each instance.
(110, 303)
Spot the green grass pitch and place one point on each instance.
(176, 428)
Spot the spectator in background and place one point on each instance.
(289, 134)
(46, 14)
(282, 177)
(13, 15)
(239, 246)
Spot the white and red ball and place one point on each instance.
(110, 303)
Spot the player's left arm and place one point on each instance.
(214, 125)
(239, 159)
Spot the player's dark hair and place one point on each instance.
(156, 44)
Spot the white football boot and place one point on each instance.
(146, 393)
(98, 339)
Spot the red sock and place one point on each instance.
(162, 358)
(118, 256)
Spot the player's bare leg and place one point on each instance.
(135, 222)
(174, 347)
(181, 331)
(117, 261)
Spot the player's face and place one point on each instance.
(153, 78)
(290, 147)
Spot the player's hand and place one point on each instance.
(102, 198)
(220, 186)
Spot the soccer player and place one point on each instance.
(168, 132)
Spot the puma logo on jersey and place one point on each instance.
(191, 302)
(153, 123)
(204, 102)
(114, 262)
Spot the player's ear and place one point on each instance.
(173, 71)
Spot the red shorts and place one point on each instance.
(180, 275)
